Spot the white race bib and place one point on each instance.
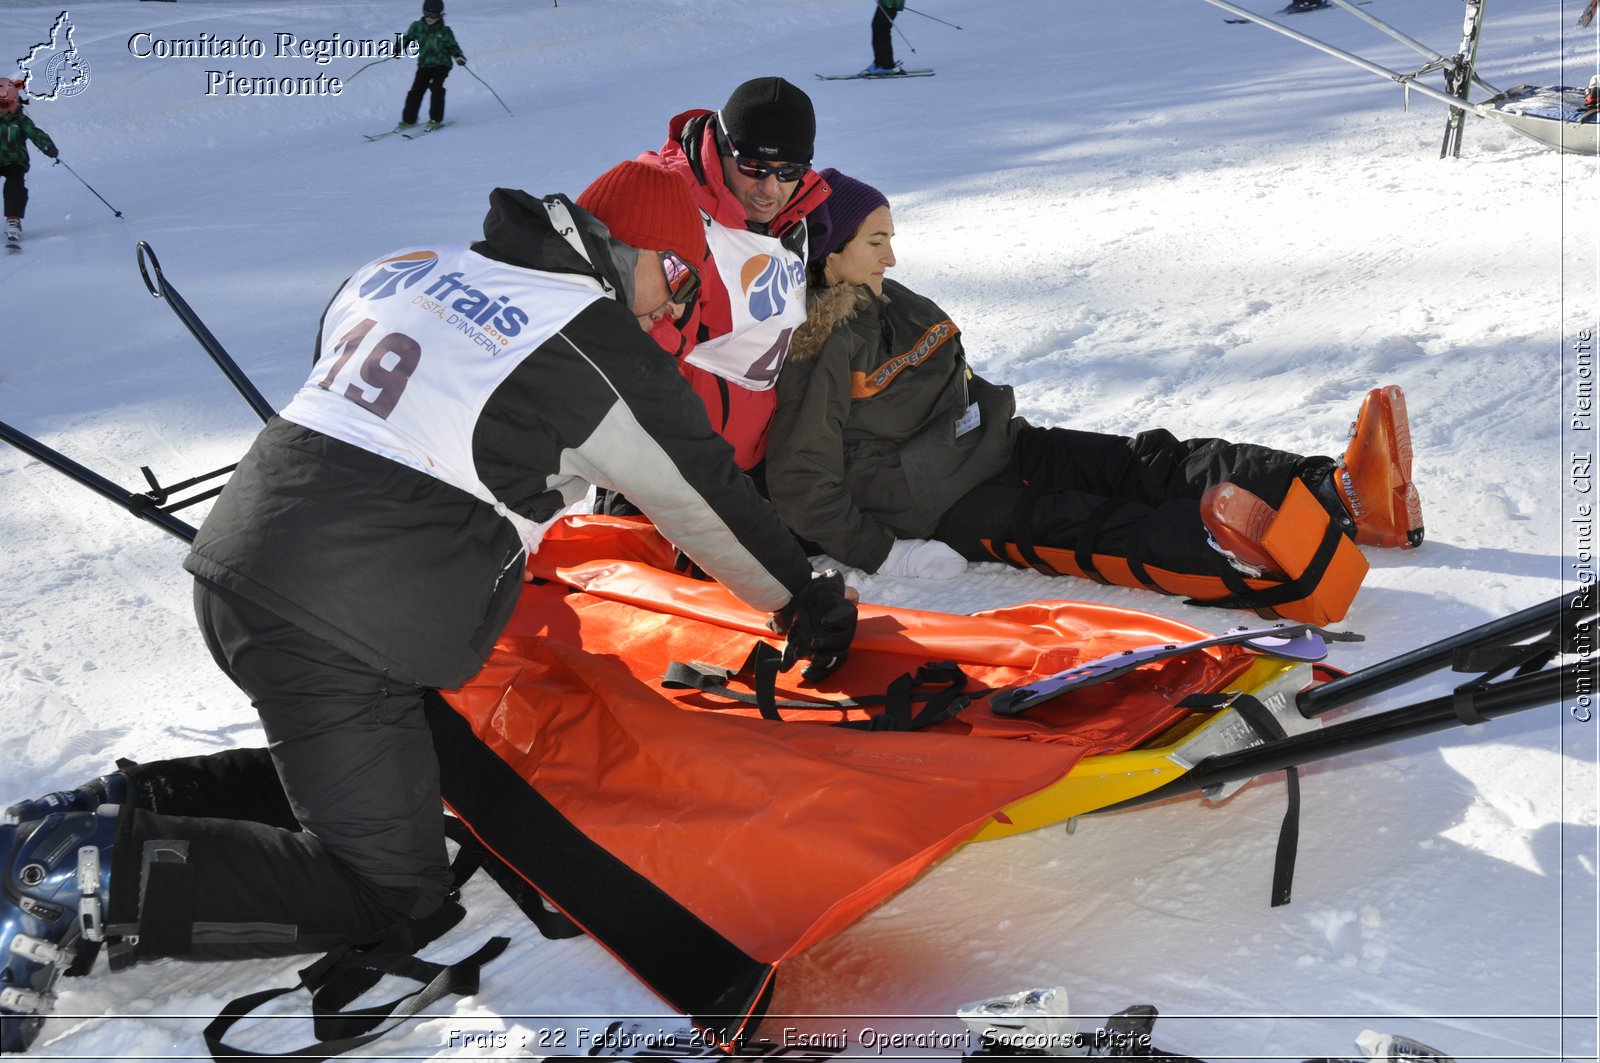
(416, 343)
(766, 285)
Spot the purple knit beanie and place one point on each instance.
(834, 223)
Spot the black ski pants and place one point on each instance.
(1135, 497)
(332, 835)
(882, 41)
(429, 78)
(15, 193)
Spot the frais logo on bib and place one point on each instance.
(449, 292)
(769, 283)
(394, 273)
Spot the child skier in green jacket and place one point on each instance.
(16, 129)
(436, 45)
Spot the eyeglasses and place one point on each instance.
(755, 169)
(683, 280)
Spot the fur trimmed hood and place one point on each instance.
(826, 310)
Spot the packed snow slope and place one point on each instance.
(1139, 215)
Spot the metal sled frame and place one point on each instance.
(1508, 107)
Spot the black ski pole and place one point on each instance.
(935, 18)
(144, 507)
(97, 195)
(486, 85)
(162, 290)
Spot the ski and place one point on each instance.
(1458, 77)
(877, 77)
(417, 134)
(410, 132)
(1296, 642)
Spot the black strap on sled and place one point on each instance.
(765, 663)
(1492, 662)
(338, 978)
(1292, 590)
(1267, 727)
(473, 855)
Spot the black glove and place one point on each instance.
(820, 621)
(52, 151)
(461, 60)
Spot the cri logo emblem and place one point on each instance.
(393, 273)
(767, 285)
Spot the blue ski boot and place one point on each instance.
(109, 789)
(55, 873)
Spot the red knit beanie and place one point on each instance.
(648, 208)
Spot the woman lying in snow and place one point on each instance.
(888, 453)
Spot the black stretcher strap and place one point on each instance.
(1493, 662)
(764, 664)
(472, 856)
(695, 969)
(1265, 725)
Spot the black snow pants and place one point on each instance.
(332, 835)
(428, 78)
(1131, 497)
(882, 42)
(15, 193)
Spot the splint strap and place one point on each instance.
(1325, 568)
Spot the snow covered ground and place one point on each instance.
(1140, 216)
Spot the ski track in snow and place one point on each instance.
(1140, 216)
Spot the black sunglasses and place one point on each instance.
(755, 169)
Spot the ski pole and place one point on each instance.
(886, 14)
(375, 62)
(97, 195)
(486, 85)
(159, 288)
(903, 37)
(935, 18)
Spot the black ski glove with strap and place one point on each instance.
(820, 621)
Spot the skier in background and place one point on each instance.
(882, 43)
(436, 45)
(16, 129)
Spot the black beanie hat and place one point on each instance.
(433, 7)
(768, 118)
(835, 223)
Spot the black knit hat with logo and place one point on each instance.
(768, 118)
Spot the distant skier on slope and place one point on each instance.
(436, 44)
(371, 544)
(890, 454)
(16, 130)
(883, 62)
